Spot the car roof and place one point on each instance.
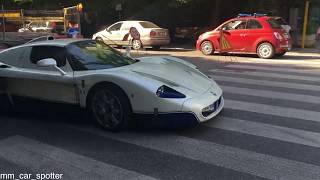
(253, 17)
(56, 42)
(134, 21)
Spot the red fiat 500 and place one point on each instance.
(261, 35)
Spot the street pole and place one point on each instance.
(305, 23)
(3, 24)
(22, 18)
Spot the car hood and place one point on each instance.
(175, 73)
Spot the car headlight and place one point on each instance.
(167, 92)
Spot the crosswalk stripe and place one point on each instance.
(268, 131)
(267, 74)
(46, 158)
(257, 164)
(266, 83)
(271, 94)
(275, 69)
(309, 63)
(273, 110)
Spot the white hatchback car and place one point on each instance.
(150, 35)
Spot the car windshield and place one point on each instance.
(274, 23)
(91, 55)
(147, 24)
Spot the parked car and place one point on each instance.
(261, 35)
(113, 87)
(36, 26)
(150, 34)
(43, 26)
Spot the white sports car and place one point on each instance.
(113, 87)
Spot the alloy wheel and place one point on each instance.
(107, 109)
(207, 48)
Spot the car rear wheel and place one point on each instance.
(110, 108)
(207, 48)
(136, 44)
(281, 54)
(265, 51)
(5, 104)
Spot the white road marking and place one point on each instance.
(272, 94)
(275, 69)
(266, 83)
(273, 110)
(45, 158)
(257, 164)
(269, 131)
(267, 74)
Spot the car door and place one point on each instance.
(124, 33)
(234, 32)
(44, 83)
(113, 34)
(10, 69)
(254, 31)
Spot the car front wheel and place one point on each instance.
(99, 39)
(136, 44)
(265, 51)
(207, 48)
(110, 108)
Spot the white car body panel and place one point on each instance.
(117, 37)
(140, 81)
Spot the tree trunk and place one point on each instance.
(216, 6)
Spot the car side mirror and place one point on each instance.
(50, 62)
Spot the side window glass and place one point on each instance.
(42, 52)
(115, 27)
(253, 24)
(235, 25)
(13, 57)
(126, 27)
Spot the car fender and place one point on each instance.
(212, 37)
(260, 40)
(140, 90)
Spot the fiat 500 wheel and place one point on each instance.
(265, 51)
(110, 108)
(281, 54)
(207, 48)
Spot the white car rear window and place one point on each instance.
(148, 25)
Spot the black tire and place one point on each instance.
(156, 47)
(99, 39)
(136, 44)
(265, 51)
(281, 54)
(110, 107)
(207, 48)
(5, 105)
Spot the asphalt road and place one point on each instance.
(269, 129)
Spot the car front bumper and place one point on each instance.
(198, 104)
